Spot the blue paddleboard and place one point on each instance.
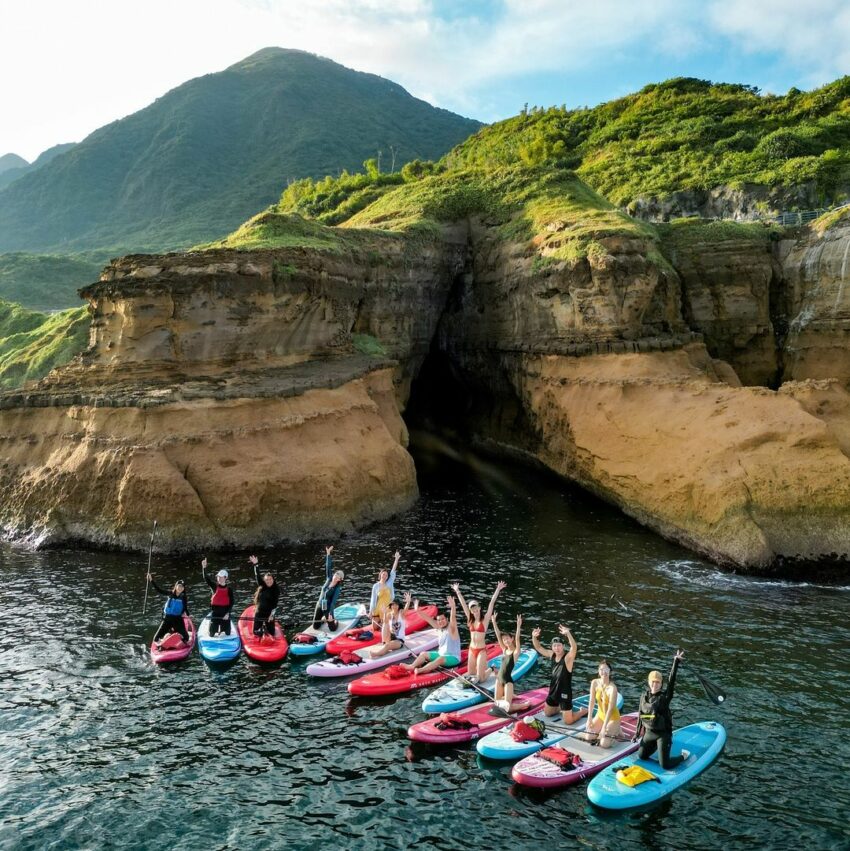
(221, 647)
(346, 617)
(703, 743)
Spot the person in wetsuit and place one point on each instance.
(655, 722)
(329, 595)
(221, 601)
(560, 697)
(265, 600)
(510, 645)
(175, 607)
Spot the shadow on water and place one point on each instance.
(98, 746)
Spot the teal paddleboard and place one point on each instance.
(703, 743)
(458, 695)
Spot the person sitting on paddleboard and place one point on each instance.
(221, 601)
(655, 722)
(447, 654)
(603, 695)
(329, 596)
(510, 645)
(477, 624)
(383, 592)
(265, 600)
(393, 628)
(175, 607)
(560, 697)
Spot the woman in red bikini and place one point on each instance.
(477, 668)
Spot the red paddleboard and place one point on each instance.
(379, 683)
(265, 649)
(174, 649)
(413, 622)
(480, 719)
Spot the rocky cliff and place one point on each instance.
(249, 396)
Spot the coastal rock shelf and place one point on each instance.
(246, 397)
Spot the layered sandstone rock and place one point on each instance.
(223, 396)
(816, 279)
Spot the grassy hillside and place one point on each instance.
(207, 155)
(31, 343)
(682, 134)
(47, 282)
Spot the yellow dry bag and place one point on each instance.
(634, 775)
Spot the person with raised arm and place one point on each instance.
(221, 601)
(266, 598)
(447, 654)
(478, 624)
(560, 697)
(392, 628)
(175, 607)
(655, 722)
(329, 595)
(383, 592)
(510, 644)
(603, 695)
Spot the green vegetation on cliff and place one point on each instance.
(47, 281)
(204, 157)
(32, 343)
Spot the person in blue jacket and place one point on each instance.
(329, 596)
(175, 607)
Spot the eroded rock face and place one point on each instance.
(816, 272)
(222, 395)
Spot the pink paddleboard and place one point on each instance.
(174, 649)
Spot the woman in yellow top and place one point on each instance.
(603, 695)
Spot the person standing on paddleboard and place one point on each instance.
(265, 600)
(560, 697)
(221, 601)
(655, 722)
(329, 595)
(175, 607)
(447, 654)
(478, 625)
(392, 629)
(603, 695)
(383, 592)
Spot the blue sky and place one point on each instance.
(70, 67)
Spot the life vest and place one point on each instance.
(528, 730)
(347, 657)
(173, 606)
(634, 775)
(396, 672)
(305, 638)
(452, 721)
(560, 757)
(221, 596)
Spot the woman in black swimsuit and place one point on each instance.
(560, 697)
(510, 645)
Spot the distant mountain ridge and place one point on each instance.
(13, 167)
(205, 156)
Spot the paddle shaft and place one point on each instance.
(712, 691)
(147, 581)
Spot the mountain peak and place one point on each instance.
(8, 161)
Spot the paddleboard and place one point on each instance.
(379, 683)
(457, 694)
(480, 717)
(347, 616)
(426, 639)
(703, 743)
(413, 622)
(265, 649)
(500, 745)
(174, 650)
(221, 647)
(542, 773)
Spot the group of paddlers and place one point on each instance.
(389, 618)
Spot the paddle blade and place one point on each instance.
(712, 691)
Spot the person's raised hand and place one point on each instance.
(329, 550)
(500, 585)
(535, 633)
(254, 560)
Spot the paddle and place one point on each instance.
(712, 691)
(147, 581)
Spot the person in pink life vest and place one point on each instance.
(221, 601)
